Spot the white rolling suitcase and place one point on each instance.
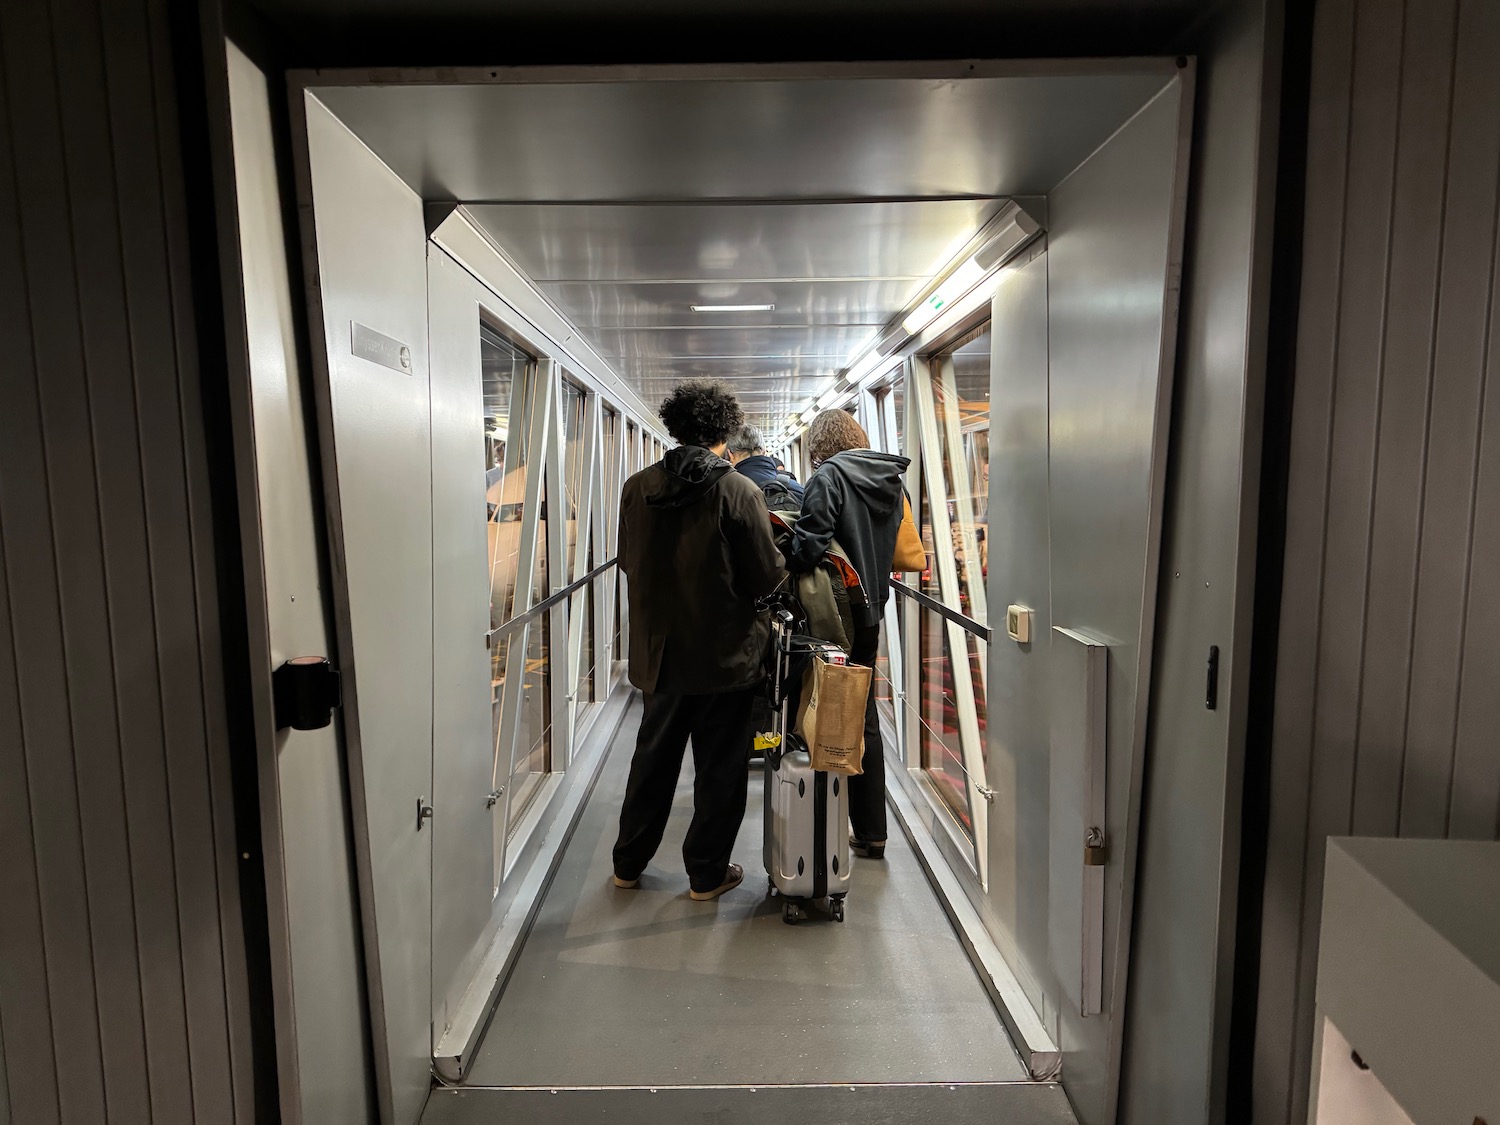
(807, 811)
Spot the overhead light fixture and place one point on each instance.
(732, 308)
(959, 282)
(1015, 230)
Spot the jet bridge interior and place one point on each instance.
(506, 271)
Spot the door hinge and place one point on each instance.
(424, 812)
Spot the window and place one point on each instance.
(509, 377)
(612, 486)
(504, 369)
(574, 407)
(533, 752)
(575, 403)
(956, 507)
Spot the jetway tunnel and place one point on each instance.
(506, 271)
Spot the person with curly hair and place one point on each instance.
(695, 546)
(855, 496)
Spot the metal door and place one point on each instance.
(371, 294)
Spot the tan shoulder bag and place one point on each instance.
(909, 553)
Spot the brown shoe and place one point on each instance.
(734, 875)
(627, 884)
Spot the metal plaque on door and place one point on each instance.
(379, 348)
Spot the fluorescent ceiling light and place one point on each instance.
(732, 308)
(871, 366)
(958, 283)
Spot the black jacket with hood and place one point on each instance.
(854, 497)
(695, 545)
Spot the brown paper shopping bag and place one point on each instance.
(831, 719)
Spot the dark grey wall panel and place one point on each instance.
(123, 993)
(1385, 700)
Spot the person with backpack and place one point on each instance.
(747, 453)
(696, 547)
(855, 496)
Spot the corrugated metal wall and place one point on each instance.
(1388, 675)
(123, 990)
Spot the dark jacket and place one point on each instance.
(854, 497)
(762, 470)
(695, 545)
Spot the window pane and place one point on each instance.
(574, 403)
(503, 368)
(942, 753)
(612, 485)
(961, 396)
(534, 738)
(611, 469)
(534, 731)
(898, 399)
(885, 686)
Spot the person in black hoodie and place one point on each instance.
(855, 496)
(695, 545)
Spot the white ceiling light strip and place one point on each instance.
(957, 294)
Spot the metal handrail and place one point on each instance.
(926, 601)
(505, 629)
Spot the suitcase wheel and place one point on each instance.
(836, 909)
(791, 913)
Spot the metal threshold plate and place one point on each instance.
(953, 1103)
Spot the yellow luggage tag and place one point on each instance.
(767, 740)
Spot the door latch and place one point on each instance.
(493, 797)
(1095, 851)
(424, 812)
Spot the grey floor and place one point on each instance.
(648, 988)
(1011, 1103)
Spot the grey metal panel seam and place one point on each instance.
(1452, 494)
(31, 986)
(88, 173)
(38, 133)
(1425, 178)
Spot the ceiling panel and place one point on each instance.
(686, 366)
(833, 200)
(833, 138)
(822, 344)
(724, 242)
(631, 305)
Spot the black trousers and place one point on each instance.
(867, 790)
(720, 729)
